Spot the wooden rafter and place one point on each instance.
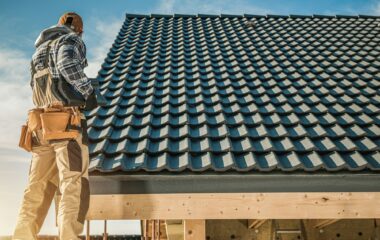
(194, 229)
(174, 229)
(321, 223)
(256, 223)
(153, 229)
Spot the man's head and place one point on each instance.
(73, 21)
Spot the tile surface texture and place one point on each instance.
(238, 93)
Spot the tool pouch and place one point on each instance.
(25, 141)
(34, 119)
(57, 125)
(33, 123)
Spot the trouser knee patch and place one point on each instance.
(84, 200)
(75, 156)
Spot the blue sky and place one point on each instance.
(20, 24)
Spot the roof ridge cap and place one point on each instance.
(161, 15)
(202, 15)
(127, 15)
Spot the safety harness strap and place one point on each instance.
(32, 67)
(46, 59)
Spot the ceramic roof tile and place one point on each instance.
(201, 162)
(245, 161)
(212, 94)
(373, 158)
(289, 161)
(333, 161)
(267, 161)
(311, 160)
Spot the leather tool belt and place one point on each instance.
(56, 123)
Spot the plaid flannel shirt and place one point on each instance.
(67, 61)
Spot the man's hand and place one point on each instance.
(91, 102)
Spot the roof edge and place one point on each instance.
(202, 15)
(145, 184)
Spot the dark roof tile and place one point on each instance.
(239, 92)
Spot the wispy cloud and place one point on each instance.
(376, 9)
(166, 6)
(15, 95)
(210, 7)
(99, 40)
(13, 155)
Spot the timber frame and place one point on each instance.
(324, 205)
(181, 205)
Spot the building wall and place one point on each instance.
(238, 230)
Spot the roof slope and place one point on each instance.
(240, 93)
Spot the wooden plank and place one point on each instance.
(88, 230)
(255, 223)
(346, 229)
(163, 233)
(105, 234)
(154, 229)
(194, 229)
(356, 205)
(154, 234)
(174, 229)
(145, 229)
(158, 229)
(321, 223)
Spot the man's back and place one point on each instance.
(66, 63)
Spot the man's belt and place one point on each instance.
(56, 123)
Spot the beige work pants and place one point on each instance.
(58, 168)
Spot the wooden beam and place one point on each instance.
(163, 233)
(174, 229)
(145, 229)
(356, 205)
(321, 223)
(195, 229)
(149, 229)
(256, 223)
(105, 234)
(88, 230)
(158, 229)
(153, 229)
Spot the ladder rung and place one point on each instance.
(288, 231)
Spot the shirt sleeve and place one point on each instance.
(70, 64)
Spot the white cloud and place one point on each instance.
(166, 6)
(14, 65)
(99, 39)
(15, 95)
(376, 10)
(13, 155)
(210, 7)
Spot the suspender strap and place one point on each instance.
(46, 60)
(32, 67)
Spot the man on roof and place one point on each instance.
(59, 165)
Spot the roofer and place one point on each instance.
(55, 132)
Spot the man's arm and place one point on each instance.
(70, 64)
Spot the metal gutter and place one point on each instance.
(233, 183)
